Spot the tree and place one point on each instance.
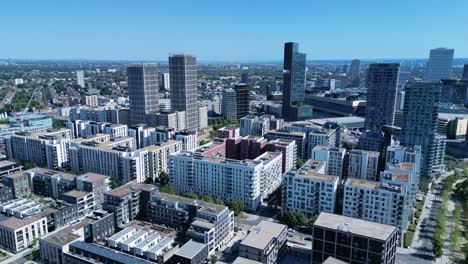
(163, 178)
(299, 163)
(191, 195)
(294, 219)
(207, 198)
(149, 180)
(213, 259)
(219, 201)
(168, 189)
(29, 165)
(113, 185)
(236, 206)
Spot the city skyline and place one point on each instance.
(339, 30)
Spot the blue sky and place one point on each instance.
(230, 30)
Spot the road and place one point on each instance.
(421, 247)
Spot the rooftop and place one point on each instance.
(76, 194)
(62, 237)
(114, 255)
(190, 249)
(92, 177)
(130, 187)
(396, 176)
(6, 163)
(63, 175)
(332, 260)
(242, 260)
(262, 234)
(355, 226)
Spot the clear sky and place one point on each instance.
(230, 30)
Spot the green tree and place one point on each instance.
(29, 165)
(294, 219)
(191, 195)
(219, 201)
(207, 198)
(213, 259)
(168, 189)
(236, 206)
(149, 180)
(299, 163)
(163, 178)
(113, 185)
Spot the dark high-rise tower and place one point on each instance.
(183, 81)
(242, 98)
(355, 73)
(142, 91)
(294, 77)
(381, 83)
(465, 72)
(419, 124)
(245, 78)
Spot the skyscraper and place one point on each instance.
(229, 105)
(165, 81)
(465, 72)
(183, 79)
(245, 78)
(142, 91)
(80, 78)
(236, 102)
(381, 83)
(294, 77)
(242, 98)
(355, 72)
(420, 112)
(439, 65)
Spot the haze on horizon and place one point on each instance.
(231, 31)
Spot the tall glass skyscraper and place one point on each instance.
(355, 73)
(294, 77)
(183, 81)
(381, 83)
(142, 91)
(439, 65)
(420, 112)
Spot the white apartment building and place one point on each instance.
(248, 180)
(202, 117)
(252, 125)
(156, 157)
(80, 78)
(174, 119)
(18, 234)
(189, 139)
(119, 160)
(379, 202)
(44, 148)
(142, 135)
(299, 137)
(116, 130)
(325, 138)
(333, 156)
(363, 164)
(309, 191)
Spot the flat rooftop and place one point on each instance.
(62, 237)
(190, 249)
(262, 234)
(6, 163)
(242, 260)
(355, 226)
(332, 260)
(92, 177)
(130, 187)
(76, 194)
(63, 175)
(113, 255)
(396, 176)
